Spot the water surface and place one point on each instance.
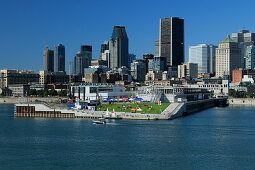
(217, 138)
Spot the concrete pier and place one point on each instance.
(174, 110)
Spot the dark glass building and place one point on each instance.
(59, 58)
(138, 70)
(118, 46)
(171, 44)
(82, 59)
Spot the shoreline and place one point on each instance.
(241, 101)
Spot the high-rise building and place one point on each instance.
(49, 60)
(228, 57)
(157, 48)
(104, 47)
(244, 38)
(59, 58)
(138, 70)
(106, 57)
(131, 57)
(171, 43)
(204, 56)
(82, 59)
(147, 57)
(250, 57)
(118, 46)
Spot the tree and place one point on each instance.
(62, 93)
(33, 92)
(53, 92)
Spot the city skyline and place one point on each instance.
(35, 25)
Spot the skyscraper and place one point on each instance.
(171, 43)
(204, 56)
(118, 46)
(49, 60)
(104, 47)
(250, 57)
(131, 57)
(228, 57)
(147, 57)
(59, 58)
(82, 59)
(244, 38)
(157, 48)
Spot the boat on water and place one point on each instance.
(111, 115)
(100, 122)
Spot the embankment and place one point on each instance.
(14, 100)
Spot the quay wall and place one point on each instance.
(196, 106)
(13, 100)
(30, 111)
(188, 108)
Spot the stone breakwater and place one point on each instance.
(13, 100)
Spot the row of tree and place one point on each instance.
(240, 94)
(47, 92)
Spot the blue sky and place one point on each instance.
(27, 26)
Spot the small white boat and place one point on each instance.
(99, 122)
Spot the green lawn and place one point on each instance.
(149, 108)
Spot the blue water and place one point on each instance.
(217, 138)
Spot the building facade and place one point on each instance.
(53, 77)
(19, 90)
(158, 63)
(204, 56)
(131, 57)
(171, 43)
(93, 91)
(157, 48)
(238, 75)
(250, 57)
(10, 77)
(228, 57)
(104, 47)
(82, 59)
(138, 70)
(188, 70)
(244, 38)
(59, 58)
(118, 46)
(49, 60)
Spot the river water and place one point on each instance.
(217, 138)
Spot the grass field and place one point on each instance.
(149, 108)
